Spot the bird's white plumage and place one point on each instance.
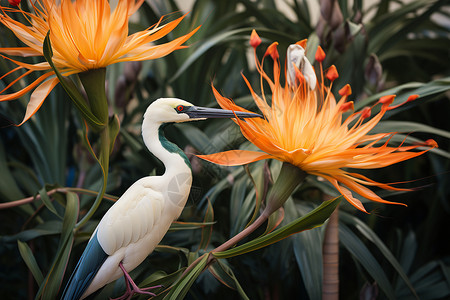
(131, 218)
(137, 222)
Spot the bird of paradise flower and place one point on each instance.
(305, 127)
(86, 35)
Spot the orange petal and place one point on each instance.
(25, 90)
(20, 51)
(235, 157)
(147, 52)
(38, 96)
(365, 192)
(346, 193)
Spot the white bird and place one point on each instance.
(136, 223)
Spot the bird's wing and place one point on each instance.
(127, 221)
(130, 218)
(90, 262)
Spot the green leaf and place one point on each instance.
(47, 228)
(360, 252)
(313, 219)
(208, 44)
(260, 187)
(424, 90)
(181, 288)
(162, 278)
(50, 286)
(307, 248)
(114, 128)
(240, 207)
(225, 275)
(30, 261)
(207, 230)
(8, 186)
(373, 237)
(46, 200)
(175, 226)
(394, 126)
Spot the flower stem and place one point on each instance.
(244, 233)
(330, 285)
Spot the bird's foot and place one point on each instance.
(132, 288)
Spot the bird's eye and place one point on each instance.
(180, 108)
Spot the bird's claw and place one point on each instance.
(132, 288)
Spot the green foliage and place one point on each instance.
(379, 48)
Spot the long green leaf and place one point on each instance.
(161, 278)
(30, 261)
(50, 286)
(8, 186)
(307, 248)
(46, 200)
(357, 248)
(181, 288)
(47, 228)
(372, 236)
(403, 91)
(207, 45)
(404, 126)
(225, 275)
(312, 220)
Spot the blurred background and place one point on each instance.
(379, 47)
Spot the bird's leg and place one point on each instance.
(132, 288)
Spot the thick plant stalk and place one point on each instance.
(330, 286)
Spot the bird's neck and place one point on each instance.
(178, 172)
(173, 158)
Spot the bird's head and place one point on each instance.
(169, 110)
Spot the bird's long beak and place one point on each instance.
(197, 112)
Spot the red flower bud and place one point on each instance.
(14, 2)
(346, 90)
(255, 40)
(332, 73)
(320, 54)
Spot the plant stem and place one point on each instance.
(330, 285)
(244, 233)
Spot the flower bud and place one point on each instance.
(14, 2)
(296, 59)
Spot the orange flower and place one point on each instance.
(305, 126)
(85, 35)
